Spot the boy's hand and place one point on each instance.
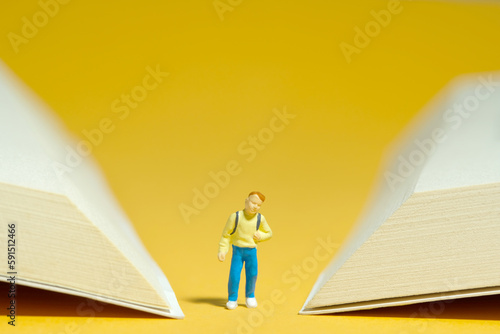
(256, 236)
(222, 257)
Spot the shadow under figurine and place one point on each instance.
(244, 229)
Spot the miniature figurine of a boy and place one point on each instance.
(244, 229)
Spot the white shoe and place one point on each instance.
(251, 302)
(231, 305)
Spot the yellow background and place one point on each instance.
(225, 79)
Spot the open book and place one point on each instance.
(431, 231)
(64, 230)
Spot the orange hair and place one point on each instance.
(258, 193)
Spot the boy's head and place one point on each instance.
(253, 202)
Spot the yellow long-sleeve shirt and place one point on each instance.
(243, 237)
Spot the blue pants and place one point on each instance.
(240, 255)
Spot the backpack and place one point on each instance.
(236, 222)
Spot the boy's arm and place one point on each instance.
(225, 239)
(265, 232)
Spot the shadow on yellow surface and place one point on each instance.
(477, 308)
(43, 303)
(37, 302)
(219, 302)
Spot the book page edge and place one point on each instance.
(400, 301)
(173, 312)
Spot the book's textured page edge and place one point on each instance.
(167, 312)
(388, 196)
(38, 162)
(384, 200)
(402, 301)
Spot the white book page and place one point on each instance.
(33, 146)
